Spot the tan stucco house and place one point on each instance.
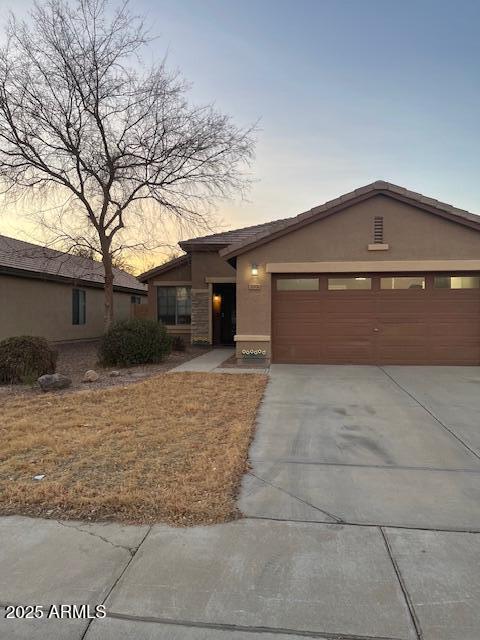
(56, 295)
(379, 275)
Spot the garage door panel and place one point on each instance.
(455, 306)
(428, 326)
(339, 332)
(464, 354)
(402, 331)
(305, 353)
(402, 354)
(454, 330)
(346, 353)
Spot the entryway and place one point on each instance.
(224, 318)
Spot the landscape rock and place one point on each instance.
(90, 376)
(114, 374)
(54, 381)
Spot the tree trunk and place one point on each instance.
(108, 302)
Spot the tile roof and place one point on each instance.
(235, 235)
(18, 255)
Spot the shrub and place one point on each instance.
(23, 359)
(178, 343)
(136, 341)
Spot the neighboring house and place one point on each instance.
(380, 275)
(56, 295)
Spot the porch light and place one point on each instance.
(217, 302)
(361, 278)
(254, 269)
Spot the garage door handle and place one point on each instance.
(376, 330)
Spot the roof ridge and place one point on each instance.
(378, 185)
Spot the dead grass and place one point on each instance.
(172, 448)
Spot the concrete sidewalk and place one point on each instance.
(252, 579)
(206, 362)
(211, 361)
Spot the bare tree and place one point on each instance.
(80, 113)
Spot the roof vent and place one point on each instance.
(378, 230)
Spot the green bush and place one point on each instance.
(23, 359)
(136, 341)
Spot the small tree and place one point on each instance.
(79, 113)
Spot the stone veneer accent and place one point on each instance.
(200, 316)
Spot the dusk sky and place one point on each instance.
(346, 92)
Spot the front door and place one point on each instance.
(224, 313)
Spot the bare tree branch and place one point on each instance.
(78, 112)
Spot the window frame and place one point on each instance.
(423, 276)
(79, 307)
(168, 289)
(314, 279)
(363, 278)
(454, 275)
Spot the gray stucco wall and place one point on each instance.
(44, 308)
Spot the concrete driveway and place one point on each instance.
(362, 523)
(393, 446)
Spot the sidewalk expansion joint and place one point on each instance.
(347, 523)
(403, 586)
(386, 467)
(430, 413)
(246, 629)
(130, 550)
(292, 495)
(120, 576)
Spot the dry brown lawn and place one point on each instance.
(172, 448)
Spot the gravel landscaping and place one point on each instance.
(75, 358)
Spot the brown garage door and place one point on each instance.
(376, 318)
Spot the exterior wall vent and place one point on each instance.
(378, 230)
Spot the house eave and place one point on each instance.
(80, 282)
(164, 268)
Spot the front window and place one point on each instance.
(174, 305)
(79, 306)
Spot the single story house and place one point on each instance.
(381, 275)
(57, 295)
